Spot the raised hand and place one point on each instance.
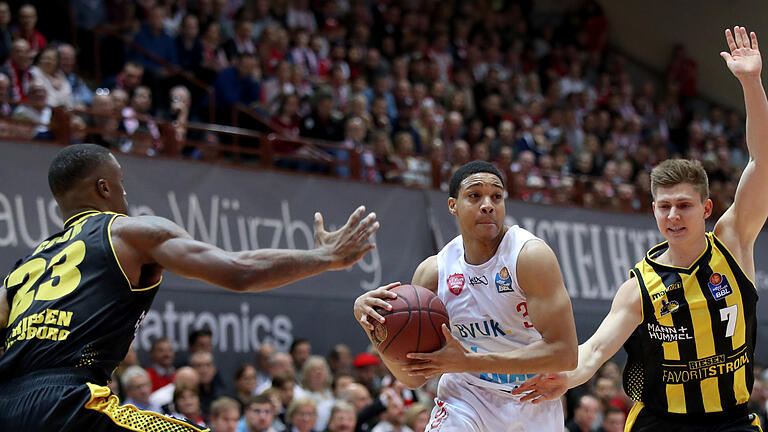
(450, 358)
(542, 387)
(349, 243)
(744, 58)
(365, 304)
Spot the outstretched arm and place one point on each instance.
(150, 240)
(625, 315)
(739, 226)
(549, 309)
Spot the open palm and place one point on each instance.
(744, 57)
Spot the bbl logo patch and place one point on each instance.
(719, 286)
(503, 281)
(456, 283)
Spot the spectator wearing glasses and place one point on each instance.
(301, 415)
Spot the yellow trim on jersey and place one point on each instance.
(693, 264)
(734, 259)
(632, 416)
(78, 215)
(128, 416)
(756, 422)
(114, 253)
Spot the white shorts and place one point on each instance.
(464, 407)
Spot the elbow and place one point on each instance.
(569, 357)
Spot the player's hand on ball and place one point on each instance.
(450, 358)
(365, 305)
(349, 243)
(543, 387)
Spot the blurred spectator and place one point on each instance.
(162, 371)
(280, 364)
(263, 359)
(103, 118)
(277, 85)
(81, 94)
(184, 377)
(758, 399)
(613, 420)
(584, 414)
(27, 29)
(417, 417)
(245, 383)
(300, 351)
(343, 418)
(214, 58)
(340, 359)
(301, 415)
(286, 388)
(225, 413)
(17, 70)
(189, 48)
(316, 384)
(393, 418)
(138, 387)
(153, 39)
(138, 122)
(5, 31)
(47, 72)
(322, 123)
(203, 363)
(414, 171)
(35, 110)
(258, 414)
(186, 402)
(200, 339)
(365, 372)
(299, 16)
(242, 42)
(5, 103)
(129, 78)
(236, 84)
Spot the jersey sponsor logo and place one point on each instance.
(477, 280)
(668, 307)
(501, 378)
(702, 369)
(668, 334)
(50, 324)
(456, 283)
(719, 286)
(503, 281)
(481, 329)
(661, 293)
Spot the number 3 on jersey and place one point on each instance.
(64, 278)
(522, 307)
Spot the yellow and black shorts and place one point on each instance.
(63, 400)
(641, 419)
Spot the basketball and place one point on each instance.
(413, 324)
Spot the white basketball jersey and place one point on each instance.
(486, 306)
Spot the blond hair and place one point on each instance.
(672, 172)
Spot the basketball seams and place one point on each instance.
(402, 327)
(430, 311)
(418, 308)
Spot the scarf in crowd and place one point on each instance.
(19, 82)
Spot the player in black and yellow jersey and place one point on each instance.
(70, 309)
(687, 313)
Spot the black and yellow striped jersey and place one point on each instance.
(693, 351)
(71, 303)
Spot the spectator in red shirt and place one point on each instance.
(27, 29)
(17, 69)
(162, 372)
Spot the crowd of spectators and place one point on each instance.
(414, 89)
(301, 391)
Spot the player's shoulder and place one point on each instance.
(146, 227)
(426, 274)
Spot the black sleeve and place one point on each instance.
(367, 415)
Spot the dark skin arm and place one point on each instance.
(147, 245)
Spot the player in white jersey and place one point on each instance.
(510, 316)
